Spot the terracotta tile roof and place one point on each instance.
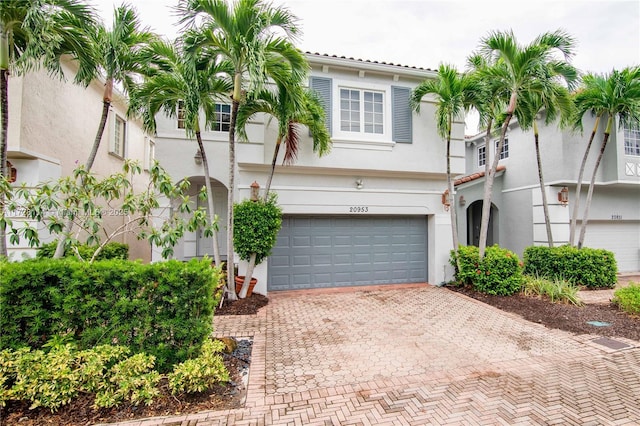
(369, 61)
(475, 176)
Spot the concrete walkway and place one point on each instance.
(420, 355)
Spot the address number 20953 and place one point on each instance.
(358, 209)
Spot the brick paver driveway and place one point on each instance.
(421, 355)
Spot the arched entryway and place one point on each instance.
(202, 245)
(474, 220)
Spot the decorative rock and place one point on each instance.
(230, 344)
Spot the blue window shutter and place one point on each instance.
(322, 86)
(401, 115)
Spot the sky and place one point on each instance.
(426, 33)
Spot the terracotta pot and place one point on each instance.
(240, 281)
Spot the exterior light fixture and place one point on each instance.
(198, 157)
(563, 196)
(445, 200)
(13, 172)
(359, 183)
(462, 201)
(255, 191)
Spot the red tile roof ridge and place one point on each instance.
(476, 175)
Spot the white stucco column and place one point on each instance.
(440, 245)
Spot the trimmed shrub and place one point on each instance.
(164, 309)
(199, 374)
(628, 298)
(589, 267)
(499, 273)
(111, 250)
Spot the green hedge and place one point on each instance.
(164, 309)
(589, 267)
(111, 250)
(499, 272)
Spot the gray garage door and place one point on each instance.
(336, 251)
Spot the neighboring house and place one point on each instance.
(52, 126)
(370, 212)
(517, 214)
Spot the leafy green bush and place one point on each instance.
(164, 309)
(256, 225)
(197, 375)
(53, 376)
(499, 273)
(111, 250)
(592, 268)
(556, 290)
(468, 258)
(628, 298)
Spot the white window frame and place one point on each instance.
(482, 157)
(218, 124)
(361, 139)
(632, 140)
(504, 154)
(180, 119)
(149, 152)
(118, 144)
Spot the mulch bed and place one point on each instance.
(564, 317)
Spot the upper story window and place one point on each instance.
(505, 148)
(364, 114)
(361, 111)
(180, 114)
(482, 156)
(632, 139)
(119, 137)
(222, 119)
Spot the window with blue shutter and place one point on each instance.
(401, 115)
(322, 86)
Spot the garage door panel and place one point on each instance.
(325, 251)
(622, 238)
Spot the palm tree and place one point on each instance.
(293, 107)
(183, 80)
(453, 93)
(511, 72)
(35, 33)
(616, 95)
(118, 57)
(256, 38)
(554, 101)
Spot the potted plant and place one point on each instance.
(256, 225)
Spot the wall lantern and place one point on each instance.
(445, 200)
(255, 191)
(462, 201)
(13, 172)
(198, 157)
(563, 196)
(359, 183)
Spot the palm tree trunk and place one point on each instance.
(4, 145)
(273, 168)
(576, 202)
(106, 104)
(207, 184)
(585, 217)
(488, 188)
(545, 203)
(452, 204)
(235, 103)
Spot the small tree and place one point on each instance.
(257, 224)
(87, 206)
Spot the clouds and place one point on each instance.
(425, 33)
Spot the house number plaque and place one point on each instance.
(358, 209)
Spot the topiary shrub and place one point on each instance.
(499, 272)
(111, 250)
(255, 228)
(594, 268)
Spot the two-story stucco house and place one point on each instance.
(370, 212)
(517, 213)
(52, 125)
